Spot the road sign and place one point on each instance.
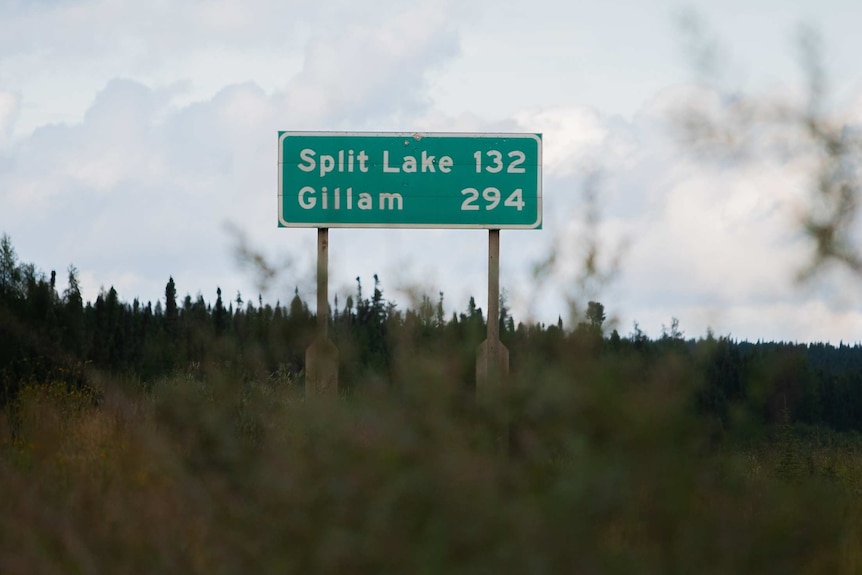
(407, 180)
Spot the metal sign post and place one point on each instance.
(409, 180)
(492, 357)
(321, 357)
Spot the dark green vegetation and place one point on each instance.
(176, 438)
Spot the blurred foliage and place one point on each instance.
(609, 471)
(178, 438)
(722, 124)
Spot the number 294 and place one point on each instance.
(490, 199)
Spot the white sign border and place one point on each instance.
(416, 136)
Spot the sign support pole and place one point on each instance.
(322, 282)
(321, 357)
(492, 358)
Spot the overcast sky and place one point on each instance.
(138, 141)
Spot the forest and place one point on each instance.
(47, 335)
(175, 437)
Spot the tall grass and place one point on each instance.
(608, 470)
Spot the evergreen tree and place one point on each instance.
(107, 335)
(440, 318)
(171, 310)
(10, 272)
(219, 314)
(504, 319)
(596, 315)
(73, 316)
(298, 311)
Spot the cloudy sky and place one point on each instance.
(138, 140)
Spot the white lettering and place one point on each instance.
(445, 164)
(309, 203)
(515, 167)
(427, 162)
(469, 203)
(307, 155)
(327, 164)
(386, 167)
(392, 199)
(308, 199)
(497, 157)
(409, 164)
(362, 157)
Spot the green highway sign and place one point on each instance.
(409, 180)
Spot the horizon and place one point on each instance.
(150, 150)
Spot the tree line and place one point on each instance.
(49, 335)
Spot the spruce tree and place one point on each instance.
(73, 329)
(219, 314)
(171, 311)
(10, 272)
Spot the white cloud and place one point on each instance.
(8, 113)
(577, 139)
(702, 242)
(135, 130)
(60, 53)
(372, 70)
(705, 245)
(141, 187)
